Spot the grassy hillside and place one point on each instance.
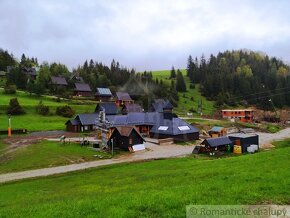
(44, 154)
(159, 188)
(190, 99)
(33, 121)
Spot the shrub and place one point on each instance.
(42, 109)
(14, 107)
(65, 111)
(10, 89)
(192, 86)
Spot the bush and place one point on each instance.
(42, 109)
(192, 86)
(10, 89)
(65, 111)
(14, 107)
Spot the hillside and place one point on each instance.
(185, 102)
(33, 121)
(160, 188)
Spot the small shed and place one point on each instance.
(219, 143)
(125, 137)
(73, 125)
(244, 140)
(103, 94)
(217, 131)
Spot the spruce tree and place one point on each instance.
(180, 84)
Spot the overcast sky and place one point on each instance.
(145, 35)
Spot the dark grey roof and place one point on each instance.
(73, 122)
(159, 105)
(29, 71)
(123, 96)
(215, 142)
(87, 119)
(130, 108)
(57, 80)
(110, 108)
(174, 126)
(82, 87)
(103, 92)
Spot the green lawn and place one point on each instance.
(45, 154)
(186, 102)
(34, 122)
(160, 188)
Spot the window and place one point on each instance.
(130, 141)
(86, 127)
(163, 128)
(183, 128)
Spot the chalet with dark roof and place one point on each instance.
(30, 72)
(77, 79)
(82, 123)
(82, 89)
(125, 137)
(103, 95)
(110, 108)
(131, 108)
(58, 81)
(219, 143)
(123, 98)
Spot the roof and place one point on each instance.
(130, 108)
(216, 129)
(160, 104)
(241, 110)
(87, 119)
(123, 96)
(110, 108)
(174, 126)
(82, 87)
(126, 130)
(73, 122)
(215, 142)
(29, 71)
(103, 92)
(57, 80)
(242, 135)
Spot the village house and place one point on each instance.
(161, 106)
(242, 115)
(123, 98)
(109, 108)
(58, 83)
(82, 89)
(131, 108)
(82, 123)
(103, 95)
(125, 137)
(217, 144)
(30, 72)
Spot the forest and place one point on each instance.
(242, 78)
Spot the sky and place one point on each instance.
(142, 34)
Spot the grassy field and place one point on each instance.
(188, 100)
(45, 154)
(35, 122)
(160, 188)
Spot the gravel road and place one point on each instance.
(153, 152)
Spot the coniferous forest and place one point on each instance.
(242, 78)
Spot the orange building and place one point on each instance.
(242, 115)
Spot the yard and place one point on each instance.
(160, 188)
(44, 154)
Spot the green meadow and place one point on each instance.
(190, 99)
(160, 188)
(45, 154)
